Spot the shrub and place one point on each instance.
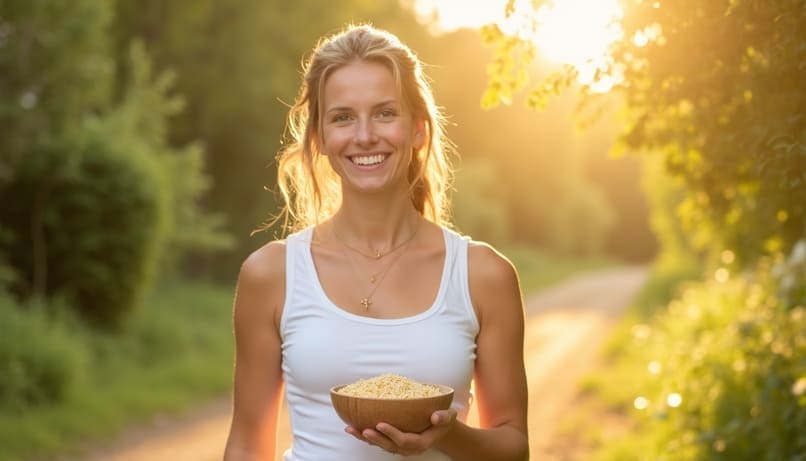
(40, 361)
(86, 221)
(727, 373)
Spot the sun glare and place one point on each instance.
(576, 32)
(455, 14)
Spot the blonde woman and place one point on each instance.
(372, 280)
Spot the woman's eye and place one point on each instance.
(386, 113)
(341, 118)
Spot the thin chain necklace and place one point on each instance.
(377, 278)
(376, 253)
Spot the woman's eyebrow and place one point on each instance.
(375, 106)
(339, 109)
(385, 103)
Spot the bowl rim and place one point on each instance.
(446, 390)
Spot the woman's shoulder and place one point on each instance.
(265, 264)
(493, 282)
(488, 264)
(261, 286)
(484, 260)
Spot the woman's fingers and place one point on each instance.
(393, 440)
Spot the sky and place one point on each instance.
(569, 31)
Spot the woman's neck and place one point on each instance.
(369, 223)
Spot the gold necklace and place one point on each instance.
(376, 253)
(374, 279)
(377, 278)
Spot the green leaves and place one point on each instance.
(507, 72)
(717, 88)
(724, 379)
(714, 90)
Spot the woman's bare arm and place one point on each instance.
(500, 378)
(258, 382)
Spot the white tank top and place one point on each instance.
(324, 345)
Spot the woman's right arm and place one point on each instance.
(258, 382)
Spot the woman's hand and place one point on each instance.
(391, 439)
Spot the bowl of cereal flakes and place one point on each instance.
(393, 399)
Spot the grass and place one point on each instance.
(176, 352)
(538, 269)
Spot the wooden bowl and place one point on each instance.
(408, 415)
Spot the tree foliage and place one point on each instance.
(55, 70)
(716, 89)
(90, 189)
(537, 180)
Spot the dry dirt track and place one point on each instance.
(566, 325)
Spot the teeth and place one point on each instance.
(368, 159)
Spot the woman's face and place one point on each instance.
(366, 133)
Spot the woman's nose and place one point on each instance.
(365, 132)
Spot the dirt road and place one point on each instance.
(566, 325)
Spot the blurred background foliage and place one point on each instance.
(727, 120)
(711, 363)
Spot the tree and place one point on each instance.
(55, 71)
(537, 161)
(716, 89)
(91, 194)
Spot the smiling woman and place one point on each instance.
(378, 283)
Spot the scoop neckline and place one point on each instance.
(431, 310)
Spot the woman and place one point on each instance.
(372, 281)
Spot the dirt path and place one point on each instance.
(566, 325)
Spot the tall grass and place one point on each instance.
(175, 352)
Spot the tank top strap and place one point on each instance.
(457, 246)
(296, 269)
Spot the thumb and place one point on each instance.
(442, 417)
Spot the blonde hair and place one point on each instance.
(310, 188)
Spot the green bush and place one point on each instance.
(86, 223)
(725, 374)
(40, 361)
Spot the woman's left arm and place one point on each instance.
(500, 378)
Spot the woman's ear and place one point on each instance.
(419, 134)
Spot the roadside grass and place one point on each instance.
(538, 269)
(601, 421)
(174, 353)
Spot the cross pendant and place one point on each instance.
(366, 303)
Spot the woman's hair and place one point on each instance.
(310, 188)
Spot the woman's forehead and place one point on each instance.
(360, 83)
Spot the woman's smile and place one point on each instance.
(369, 159)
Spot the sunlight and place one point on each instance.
(450, 15)
(576, 32)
